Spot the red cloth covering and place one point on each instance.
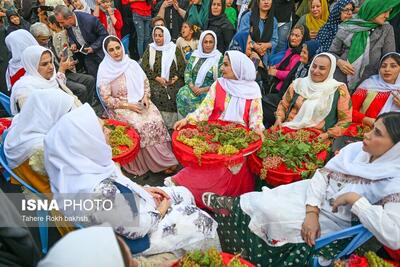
(219, 180)
(118, 25)
(17, 76)
(376, 105)
(140, 8)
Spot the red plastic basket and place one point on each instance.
(129, 154)
(185, 155)
(281, 175)
(226, 257)
(4, 124)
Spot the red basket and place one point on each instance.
(281, 175)
(185, 155)
(226, 257)
(129, 154)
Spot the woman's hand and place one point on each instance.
(345, 67)
(163, 82)
(396, 98)
(278, 123)
(179, 124)
(157, 194)
(196, 90)
(272, 71)
(367, 121)
(135, 108)
(163, 207)
(346, 199)
(323, 136)
(311, 229)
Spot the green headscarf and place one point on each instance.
(368, 11)
(198, 16)
(360, 26)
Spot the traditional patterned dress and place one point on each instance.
(186, 100)
(155, 154)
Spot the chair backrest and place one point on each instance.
(102, 101)
(125, 43)
(5, 102)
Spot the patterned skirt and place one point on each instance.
(236, 237)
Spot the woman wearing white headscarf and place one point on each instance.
(81, 6)
(125, 90)
(23, 146)
(16, 43)
(78, 160)
(201, 72)
(164, 66)
(317, 101)
(234, 97)
(280, 225)
(40, 75)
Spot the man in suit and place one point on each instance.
(86, 34)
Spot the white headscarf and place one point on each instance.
(318, 97)
(376, 83)
(212, 58)
(109, 70)
(92, 246)
(16, 43)
(382, 175)
(76, 155)
(243, 88)
(41, 111)
(168, 51)
(32, 80)
(85, 9)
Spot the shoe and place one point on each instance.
(168, 182)
(206, 198)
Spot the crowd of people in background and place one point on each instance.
(159, 65)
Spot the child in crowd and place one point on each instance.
(231, 12)
(189, 40)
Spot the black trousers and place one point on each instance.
(82, 85)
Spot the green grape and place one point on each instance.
(227, 150)
(118, 137)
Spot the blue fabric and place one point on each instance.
(328, 32)
(276, 58)
(93, 32)
(135, 245)
(239, 42)
(312, 47)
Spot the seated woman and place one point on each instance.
(16, 43)
(218, 22)
(300, 70)
(376, 95)
(112, 251)
(81, 6)
(188, 41)
(15, 22)
(201, 71)
(40, 75)
(79, 161)
(109, 16)
(235, 97)
(280, 71)
(164, 66)
(368, 29)
(317, 101)
(264, 37)
(23, 146)
(317, 17)
(280, 227)
(125, 90)
(379, 93)
(342, 11)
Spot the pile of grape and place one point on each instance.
(214, 138)
(375, 261)
(209, 258)
(118, 137)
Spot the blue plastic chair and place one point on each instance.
(360, 233)
(43, 225)
(5, 102)
(102, 101)
(125, 43)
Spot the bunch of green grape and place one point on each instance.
(118, 137)
(227, 150)
(197, 258)
(375, 261)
